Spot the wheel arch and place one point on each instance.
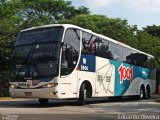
(148, 88)
(142, 86)
(88, 86)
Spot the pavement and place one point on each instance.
(155, 96)
(24, 109)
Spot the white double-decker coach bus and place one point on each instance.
(63, 61)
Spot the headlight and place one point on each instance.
(13, 86)
(50, 85)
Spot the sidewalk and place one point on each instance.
(155, 97)
(158, 98)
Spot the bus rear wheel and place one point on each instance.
(82, 95)
(147, 93)
(43, 101)
(142, 93)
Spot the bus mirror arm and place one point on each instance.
(10, 47)
(62, 43)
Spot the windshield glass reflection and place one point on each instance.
(35, 61)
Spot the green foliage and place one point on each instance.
(154, 33)
(20, 14)
(153, 30)
(149, 44)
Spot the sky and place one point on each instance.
(138, 12)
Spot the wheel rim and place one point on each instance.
(141, 93)
(147, 93)
(85, 94)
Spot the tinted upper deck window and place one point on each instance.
(40, 35)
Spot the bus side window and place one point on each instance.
(132, 57)
(104, 49)
(92, 47)
(117, 52)
(70, 52)
(86, 37)
(126, 55)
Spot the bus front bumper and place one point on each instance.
(49, 93)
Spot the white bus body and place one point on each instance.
(103, 77)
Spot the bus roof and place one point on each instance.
(89, 31)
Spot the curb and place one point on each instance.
(6, 98)
(10, 98)
(158, 100)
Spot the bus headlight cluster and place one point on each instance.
(50, 85)
(13, 86)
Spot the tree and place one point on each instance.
(153, 30)
(20, 14)
(40, 12)
(152, 38)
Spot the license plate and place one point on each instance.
(28, 94)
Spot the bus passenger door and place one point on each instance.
(69, 61)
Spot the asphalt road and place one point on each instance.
(128, 108)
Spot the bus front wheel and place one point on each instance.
(82, 95)
(43, 101)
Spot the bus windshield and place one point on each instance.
(40, 35)
(37, 56)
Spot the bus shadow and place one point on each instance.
(124, 99)
(112, 99)
(61, 103)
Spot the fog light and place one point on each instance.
(50, 94)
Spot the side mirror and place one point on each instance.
(10, 47)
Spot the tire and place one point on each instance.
(142, 93)
(43, 101)
(82, 95)
(147, 93)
